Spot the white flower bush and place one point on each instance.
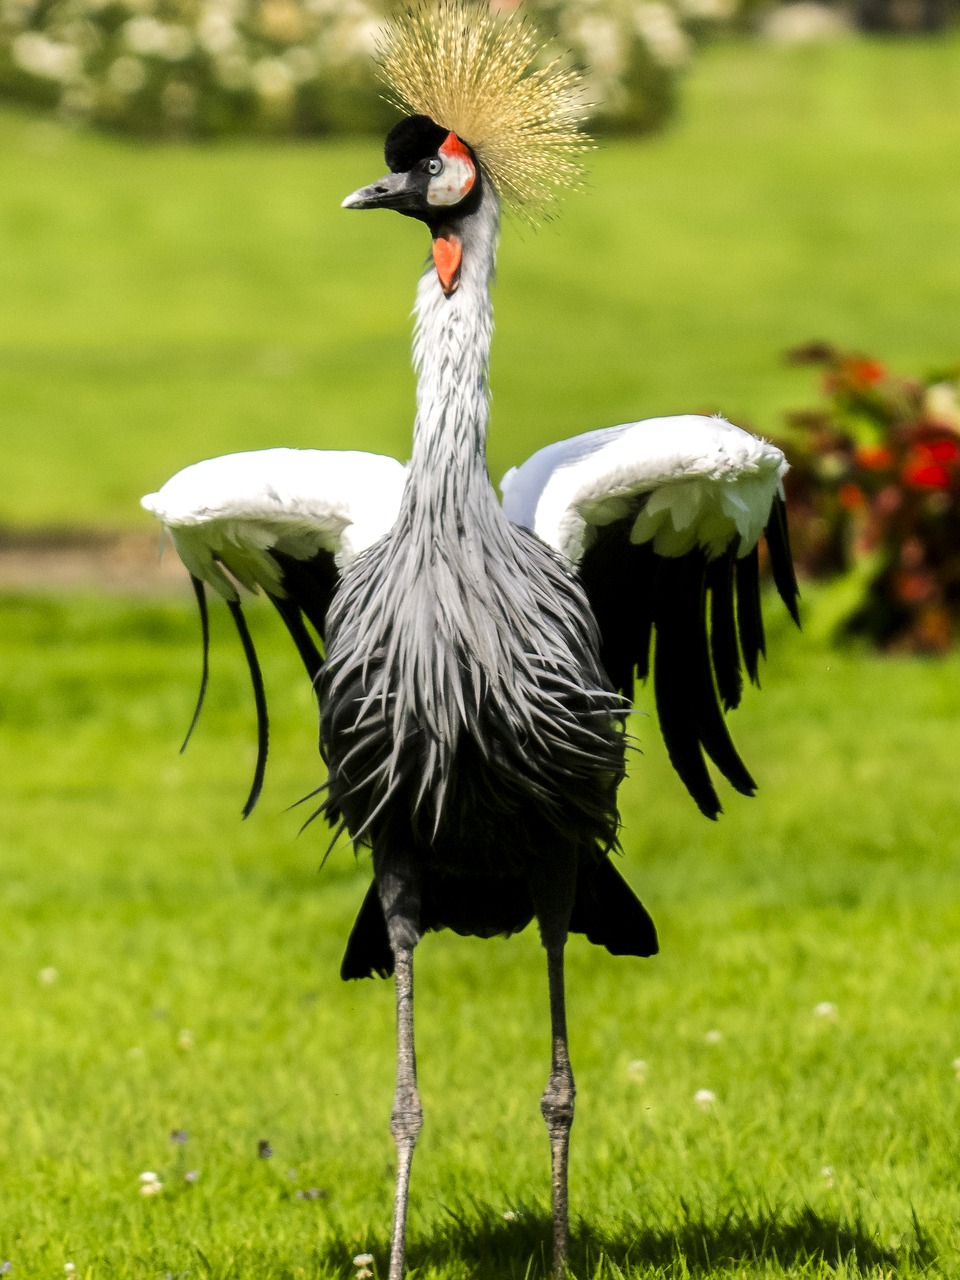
(209, 68)
(196, 67)
(631, 53)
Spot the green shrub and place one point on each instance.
(874, 496)
(209, 68)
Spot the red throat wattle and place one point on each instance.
(447, 255)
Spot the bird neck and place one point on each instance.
(451, 352)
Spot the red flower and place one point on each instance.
(942, 450)
(850, 496)
(914, 588)
(864, 373)
(932, 463)
(875, 457)
(926, 475)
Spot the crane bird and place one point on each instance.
(473, 662)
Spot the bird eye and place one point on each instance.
(435, 166)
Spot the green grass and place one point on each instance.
(160, 304)
(157, 305)
(128, 870)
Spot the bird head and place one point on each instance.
(434, 176)
(482, 110)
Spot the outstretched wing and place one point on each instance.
(662, 520)
(287, 521)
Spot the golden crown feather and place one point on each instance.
(473, 72)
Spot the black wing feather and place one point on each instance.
(781, 558)
(711, 726)
(676, 681)
(308, 587)
(618, 585)
(260, 698)
(707, 622)
(200, 591)
(724, 647)
(311, 584)
(293, 616)
(749, 614)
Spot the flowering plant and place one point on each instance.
(196, 67)
(205, 68)
(874, 493)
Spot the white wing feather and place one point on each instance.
(239, 507)
(707, 482)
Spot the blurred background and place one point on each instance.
(769, 230)
(178, 278)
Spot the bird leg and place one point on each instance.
(553, 892)
(407, 1117)
(557, 1107)
(398, 887)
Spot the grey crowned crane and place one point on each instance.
(473, 662)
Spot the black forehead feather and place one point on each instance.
(412, 139)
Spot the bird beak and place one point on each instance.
(395, 191)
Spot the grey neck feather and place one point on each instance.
(448, 469)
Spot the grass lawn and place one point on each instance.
(160, 304)
(128, 871)
(166, 967)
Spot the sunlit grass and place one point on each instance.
(160, 304)
(128, 872)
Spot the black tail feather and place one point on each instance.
(368, 953)
(610, 914)
(605, 909)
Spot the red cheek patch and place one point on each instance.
(447, 255)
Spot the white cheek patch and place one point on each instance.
(458, 176)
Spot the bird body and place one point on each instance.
(478, 658)
(462, 694)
